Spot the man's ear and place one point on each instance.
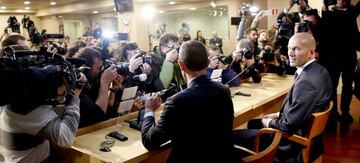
(182, 65)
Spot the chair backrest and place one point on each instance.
(317, 127)
(319, 121)
(267, 155)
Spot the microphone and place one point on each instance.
(140, 77)
(247, 68)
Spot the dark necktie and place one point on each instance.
(296, 75)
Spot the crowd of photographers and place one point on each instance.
(108, 72)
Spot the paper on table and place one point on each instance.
(129, 93)
(216, 73)
(125, 106)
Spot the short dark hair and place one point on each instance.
(251, 29)
(313, 12)
(89, 54)
(214, 47)
(194, 55)
(75, 47)
(12, 39)
(167, 38)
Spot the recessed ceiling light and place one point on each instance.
(192, 8)
(95, 12)
(26, 2)
(3, 7)
(27, 8)
(52, 3)
(172, 2)
(161, 12)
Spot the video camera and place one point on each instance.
(34, 76)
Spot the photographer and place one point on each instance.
(29, 124)
(218, 61)
(98, 97)
(165, 61)
(338, 54)
(244, 53)
(272, 62)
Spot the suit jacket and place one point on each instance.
(197, 120)
(310, 93)
(214, 41)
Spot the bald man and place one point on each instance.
(310, 92)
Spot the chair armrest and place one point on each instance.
(244, 149)
(295, 138)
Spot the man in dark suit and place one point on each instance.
(216, 41)
(197, 120)
(311, 92)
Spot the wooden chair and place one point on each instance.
(267, 155)
(317, 127)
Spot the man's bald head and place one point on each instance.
(305, 39)
(301, 49)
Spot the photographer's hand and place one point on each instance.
(236, 55)
(82, 79)
(117, 82)
(146, 68)
(214, 62)
(249, 62)
(108, 76)
(153, 103)
(172, 55)
(135, 63)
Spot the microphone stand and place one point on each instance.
(242, 72)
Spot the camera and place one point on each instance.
(329, 2)
(223, 59)
(33, 76)
(304, 26)
(53, 36)
(122, 68)
(285, 29)
(296, 1)
(268, 56)
(245, 10)
(247, 54)
(146, 58)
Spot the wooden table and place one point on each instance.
(265, 97)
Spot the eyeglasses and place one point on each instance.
(107, 144)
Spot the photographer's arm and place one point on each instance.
(166, 73)
(256, 20)
(116, 84)
(62, 131)
(241, 29)
(106, 78)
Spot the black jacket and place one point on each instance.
(198, 121)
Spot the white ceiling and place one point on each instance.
(13, 5)
(35, 4)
